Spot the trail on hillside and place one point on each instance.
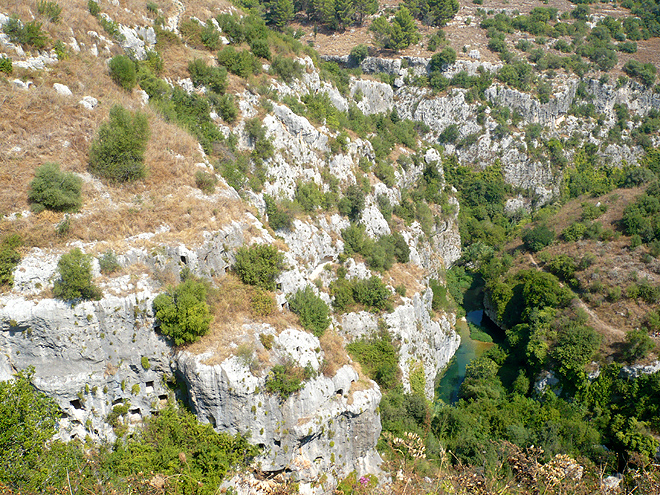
(611, 333)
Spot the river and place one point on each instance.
(449, 384)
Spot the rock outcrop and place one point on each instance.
(330, 427)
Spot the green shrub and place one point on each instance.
(93, 7)
(6, 65)
(209, 36)
(439, 301)
(28, 34)
(144, 361)
(538, 237)
(174, 442)
(373, 293)
(123, 72)
(352, 203)
(28, 420)
(205, 181)
(50, 10)
(215, 78)
(75, 277)
(359, 53)
(108, 262)
(286, 68)
(286, 379)
(311, 309)
(440, 60)
(260, 48)
(241, 63)
(226, 107)
(182, 313)
(54, 190)
(644, 73)
(378, 355)
(9, 258)
(278, 218)
(309, 196)
(259, 265)
(117, 153)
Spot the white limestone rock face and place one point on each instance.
(377, 97)
(325, 428)
(87, 357)
(62, 89)
(427, 345)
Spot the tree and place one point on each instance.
(404, 30)
(183, 313)
(638, 345)
(364, 8)
(259, 265)
(397, 35)
(117, 153)
(122, 71)
(538, 237)
(27, 422)
(75, 282)
(440, 60)
(9, 258)
(281, 13)
(311, 309)
(54, 190)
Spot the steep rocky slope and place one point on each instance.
(93, 356)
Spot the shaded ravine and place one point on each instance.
(450, 383)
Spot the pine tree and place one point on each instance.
(282, 13)
(404, 30)
(344, 12)
(364, 8)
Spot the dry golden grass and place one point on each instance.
(48, 127)
(231, 308)
(332, 345)
(408, 275)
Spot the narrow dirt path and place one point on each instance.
(611, 334)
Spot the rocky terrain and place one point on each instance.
(93, 356)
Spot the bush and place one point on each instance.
(287, 68)
(75, 282)
(287, 379)
(28, 34)
(28, 420)
(108, 262)
(241, 63)
(378, 357)
(278, 218)
(9, 258)
(259, 265)
(373, 293)
(638, 345)
(6, 65)
(54, 190)
(205, 181)
(440, 60)
(93, 7)
(215, 78)
(50, 10)
(117, 153)
(122, 71)
(359, 53)
(311, 309)
(175, 442)
(538, 237)
(262, 303)
(260, 48)
(226, 107)
(182, 313)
